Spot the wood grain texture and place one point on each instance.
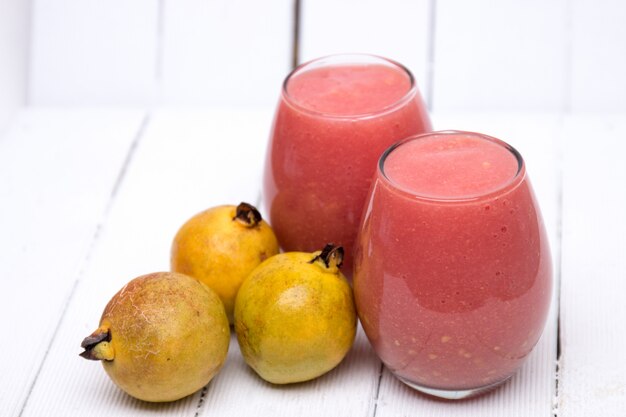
(396, 29)
(57, 172)
(185, 162)
(592, 380)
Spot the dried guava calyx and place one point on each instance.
(248, 215)
(98, 346)
(331, 257)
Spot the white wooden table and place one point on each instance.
(90, 198)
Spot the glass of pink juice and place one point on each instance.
(335, 117)
(453, 274)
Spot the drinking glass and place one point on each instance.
(453, 274)
(335, 117)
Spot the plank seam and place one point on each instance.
(558, 272)
(127, 161)
(87, 257)
(201, 400)
(295, 59)
(380, 380)
(557, 372)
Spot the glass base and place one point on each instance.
(452, 394)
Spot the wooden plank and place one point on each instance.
(57, 173)
(14, 35)
(598, 59)
(160, 51)
(348, 390)
(592, 369)
(396, 29)
(94, 52)
(530, 392)
(501, 55)
(186, 161)
(225, 52)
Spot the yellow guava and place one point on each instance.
(295, 317)
(221, 246)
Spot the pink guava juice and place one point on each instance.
(453, 274)
(335, 117)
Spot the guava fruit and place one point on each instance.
(221, 246)
(295, 317)
(162, 337)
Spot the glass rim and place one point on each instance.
(509, 184)
(357, 59)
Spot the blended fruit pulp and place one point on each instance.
(331, 126)
(452, 270)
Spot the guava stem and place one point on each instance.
(331, 256)
(97, 346)
(248, 215)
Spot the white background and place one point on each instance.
(121, 118)
(14, 47)
(496, 55)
